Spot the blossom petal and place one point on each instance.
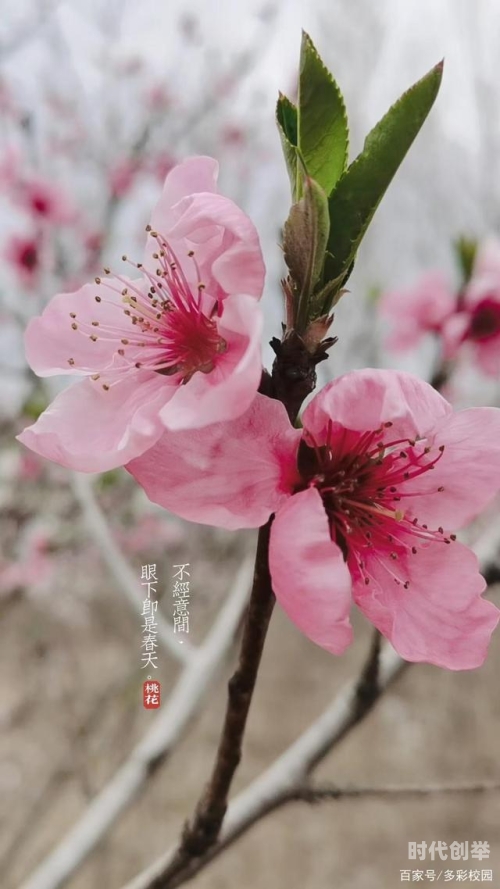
(231, 475)
(469, 470)
(441, 618)
(365, 399)
(225, 242)
(56, 342)
(416, 311)
(90, 430)
(309, 576)
(192, 216)
(229, 389)
(487, 356)
(193, 175)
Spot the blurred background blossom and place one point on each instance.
(98, 99)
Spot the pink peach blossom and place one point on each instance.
(178, 348)
(22, 252)
(417, 311)
(46, 201)
(477, 321)
(366, 498)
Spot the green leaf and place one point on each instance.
(305, 236)
(323, 134)
(465, 251)
(286, 118)
(360, 190)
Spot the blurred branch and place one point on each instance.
(100, 532)
(290, 772)
(311, 794)
(152, 750)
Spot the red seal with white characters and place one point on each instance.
(151, 694)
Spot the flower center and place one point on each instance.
(361, 479)
(29, 258)
(485, 321)
(161, 324)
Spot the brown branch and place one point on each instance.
(199, 835)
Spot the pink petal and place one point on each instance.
(441, 618)
(469, 470)
(418, 310)
(90, 430)
(51, 342)
(231, 475)
(487, 356)
(228, 390)
(193, 175)
(225, 242)
(453, 332)
(190, 215)
(365, 399)
(310, 578)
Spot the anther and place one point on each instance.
(125, 342)
(406, 584)
(71, 361)
(74, 326)
(72, 315)
(95, 324)
(97, 299)
(97, 280)
(441, 488)
(95, 376)
(93, 337)
(105, 387)
(190, 252)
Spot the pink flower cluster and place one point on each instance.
(366, 497)
(44, 203)
(469, 319)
